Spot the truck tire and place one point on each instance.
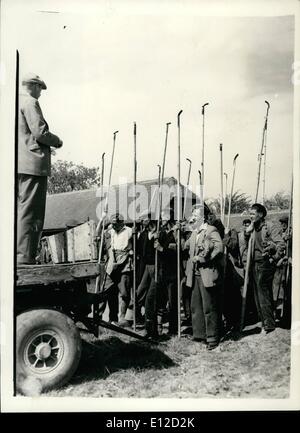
(48, 349)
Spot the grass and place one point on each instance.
(254, 366)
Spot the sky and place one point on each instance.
(107, 66)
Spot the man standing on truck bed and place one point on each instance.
(34, 166)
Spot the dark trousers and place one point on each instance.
(167, 299)
(278, 285)
(205, 306)
(120, 283)
(232, 299)
(171, 284)
(262, 277)
(186, 300)
(165, 290)
(144, 285)
(151, 303)
(32, 192)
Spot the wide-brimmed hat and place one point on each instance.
(35, 79)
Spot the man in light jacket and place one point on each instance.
(206, 250)
(34, 165)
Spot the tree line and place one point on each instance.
(67, 176)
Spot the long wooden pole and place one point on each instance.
(101, 222)
(231, 192)
(165, 152)
(187, 185)
(161, 181)
(201, 190)
(265, 169)
(203, 151)
(134, 225)
(16, 149)
(222, 192)
(262, 149)
(179, 205)
(246, 281)
(225, 198)
(158, 223)
(103, 225)
(287, 269)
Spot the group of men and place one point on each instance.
(214, 263)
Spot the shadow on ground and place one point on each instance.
(102, 358)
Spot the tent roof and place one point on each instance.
(76, 207)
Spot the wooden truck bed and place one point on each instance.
(54, 273)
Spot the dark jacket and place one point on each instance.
(145, 248)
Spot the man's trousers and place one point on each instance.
(205, 306)
(32, 192)
(262, 277)
(119, 283)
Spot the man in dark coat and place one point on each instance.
(265, 247)
(166, 245)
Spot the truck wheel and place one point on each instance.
(48, 350)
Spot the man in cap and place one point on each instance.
(34, 164)
(146, 254)
(166, 244)
(265, 252)
(118, 276)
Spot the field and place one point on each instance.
(117, 366)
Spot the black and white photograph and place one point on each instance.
(150, 205)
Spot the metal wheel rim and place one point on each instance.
(48, 342)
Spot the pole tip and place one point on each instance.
(203, 106)
(178, 117)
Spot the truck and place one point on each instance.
(53, 303)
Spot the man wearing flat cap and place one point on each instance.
(118, 277)
(265, 252)
(34, 165)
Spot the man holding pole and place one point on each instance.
(118, 269)
(145, 292)
(265, 247)
(166, 244)
(206, 251)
